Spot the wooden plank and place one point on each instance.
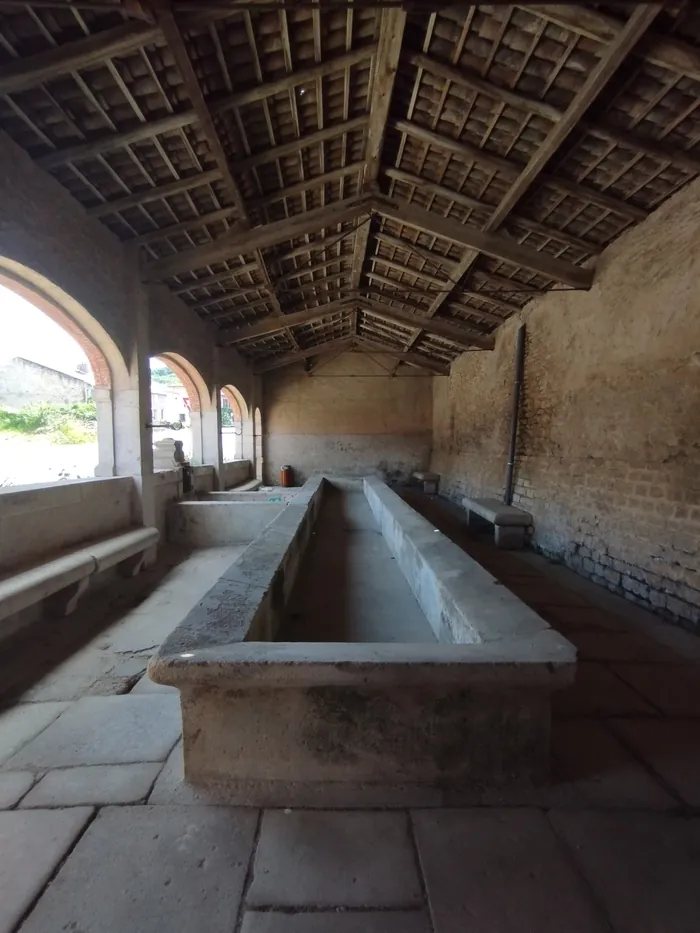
(228, 296)
(435, 259)
(164, 233)
(304, 76)
(657, 149)
(321, 284)
(466, 151)
(612, 57)
(157, 193)
(505, 306)
(94, 147)
(456, 333)
(494, 245)
(666, 51)
(412, 359)
(90, 52)
(287, 359)
(317, 267)
(440, 191)
(407, 270)
(312, 139)
(399, 286)
(271, 325)
(262, 237)
(214, 279)
(473, 81)
(309, 183)
(602, 200)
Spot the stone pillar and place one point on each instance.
(102, 396)
(197, 445)
(131, 402)
(212, 449)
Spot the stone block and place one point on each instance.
(22, 723)
(334, 859)
(96, 784)
(149, 869)
(31, 846)
(358, 921)
(500, 870)
(642, 867)
(105, 730)
(13, 786)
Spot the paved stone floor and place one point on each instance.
(97, 836)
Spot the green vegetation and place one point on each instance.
(63, 424)
(164, 376)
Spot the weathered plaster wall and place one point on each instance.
(609, 447)
(349, 417)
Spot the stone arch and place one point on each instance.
(201, 402)
(258, 444)
(237, 402)
(108, 366)
(243, 439)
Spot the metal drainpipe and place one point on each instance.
(515, 413)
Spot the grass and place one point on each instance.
(62, 424)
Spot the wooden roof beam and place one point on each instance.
(287, 359)
(304, 76)
(499, 247)
(309, 183)
(90, 52)
(322, 284)
(656, 149)
(612, 57)
(94, 147)
(666, 51)
(271, 325)
(467, 152)
(435, 259)
(384, 68)
(440, 191)
(407, 270)
(455, 333)
(412, 359)
(304, 142)
(318, 267)
(156, 193)
(194, 223)
(399, 286)
(214, 279)
(240, 243)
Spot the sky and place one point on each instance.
(27, 332)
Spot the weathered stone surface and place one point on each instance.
(401, 921)
(673, 689)
(151, 869)
(97, 784)
(598, 692)
(326, 859)
(671, 749)
(19, 725)
(500, 870)
(643, 867)
(105, 730)
(146, 685)
(31, 845)
(589, 758)
(13, 786)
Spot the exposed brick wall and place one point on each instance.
(609, 446)
(350, 417)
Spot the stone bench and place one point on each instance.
(509, 523)
(430, 481)
(60, 581)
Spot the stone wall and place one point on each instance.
(609, 446)
(24, 382)
(349, 417)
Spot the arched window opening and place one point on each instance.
(178, 395)
(258, 444)
(55, 393)
(233, 415)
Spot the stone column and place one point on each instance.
(102, 396)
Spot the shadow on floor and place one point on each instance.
(33, 652)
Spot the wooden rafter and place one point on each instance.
(499, 247)
(217, 279)
(271, 325)
(193, 223)
(156, 193)
(257, 238)
(287, 359)
(412, 359)
(386, 62)
(89, 52)
(455, 333)
(310, 183)
(304, 142)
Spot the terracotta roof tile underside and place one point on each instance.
(393, 177)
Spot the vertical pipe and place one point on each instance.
(515, 413)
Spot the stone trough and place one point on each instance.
(271, 722)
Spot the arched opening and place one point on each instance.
(56, 420)
(234, 415)
(178, 396)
